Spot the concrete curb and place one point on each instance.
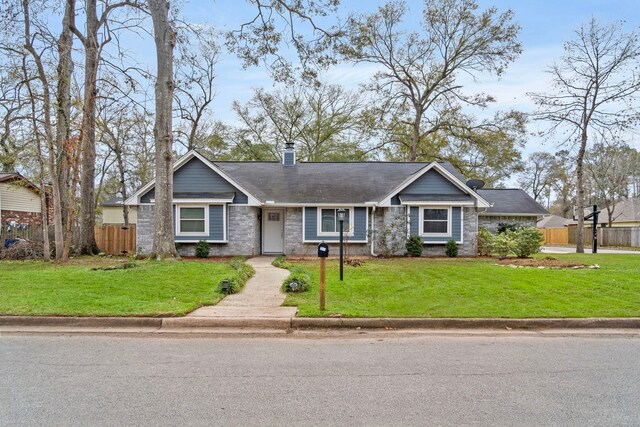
(447, 323)
(181, 323)
(82, 322)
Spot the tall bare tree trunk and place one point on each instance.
(165, 39)
(51, 140)
(87, 239)
(580, 190)
(63, 125)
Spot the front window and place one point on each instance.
(192, 221)
(435, 221)
(329, 223)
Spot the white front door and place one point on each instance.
(273, 231)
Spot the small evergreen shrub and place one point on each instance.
(484, 242)
(414, 246)
(232, 285)
(202, 249)
(502, 245)
(526, 241)
(280, 262)
(451, 248)
(503, 227)
(298, 281)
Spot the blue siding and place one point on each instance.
(216, 225)
(432, 182)
(359, 226)
(289, 158)
(456, 225)
(196, 177)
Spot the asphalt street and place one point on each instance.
(377, 380)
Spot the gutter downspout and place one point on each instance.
(373, 231)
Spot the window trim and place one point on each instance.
(449, 221)
(348, 232)
(192, 233)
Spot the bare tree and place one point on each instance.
(165, 41)
(419, 82)
(195, 90)
(595, 90)
(326, 122)
(608, 171)
(536, 177)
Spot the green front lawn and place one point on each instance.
(406, 287)
(153, 288)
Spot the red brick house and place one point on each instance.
(19, 201)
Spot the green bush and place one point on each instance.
(502, 245)
(414, 246)
(298, 281)
(526, 241)
(451, 248)
(484, 242)
(232, 285)
(504, 227)
(280, 262)
(202, 249)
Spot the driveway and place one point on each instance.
(570, 250)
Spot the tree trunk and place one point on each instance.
(415, 138)
(165, 38)
(580, 190)
(63, 120)
(87, 241)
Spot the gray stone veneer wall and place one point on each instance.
(385, 217)
(492, 223)
(293, 245)
(243, 228)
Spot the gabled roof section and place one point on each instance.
(16, 176)
(252, 200)
(455, 180)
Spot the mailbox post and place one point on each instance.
(323, 253)
(342, 213)
(594, 216)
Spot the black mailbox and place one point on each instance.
(323, 250)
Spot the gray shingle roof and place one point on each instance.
(326, 182)
(114, 201)
(625, 210)
(511, 201)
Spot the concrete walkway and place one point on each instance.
(260, 298)
(587, 250)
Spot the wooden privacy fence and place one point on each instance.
(116, 239)
(555, 236)
(616, 236)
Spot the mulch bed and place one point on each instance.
(546, 262)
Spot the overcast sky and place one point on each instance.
(546, 25)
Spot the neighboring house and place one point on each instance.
(252, 208)
(19, 201)
(555, 221)
(112, 212)
(625, 214)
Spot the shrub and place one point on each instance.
(414, 246)
(202, 249)
(451, 248)
(280, 262)
(484, 242)
(235, 284)
(298, 281)
(503, 227)
(526, 241)
(502, 245)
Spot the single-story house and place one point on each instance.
(19, 201)
(112, 212)
(626, 213)
(288, 207)
(555, 221)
